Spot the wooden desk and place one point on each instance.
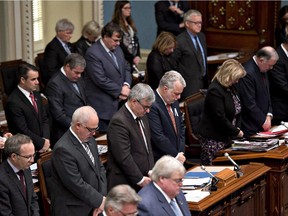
(244, 196)
(277, 177)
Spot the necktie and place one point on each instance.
(76, 87)
(20, 173)
(114, 58)
(199, 56)
(172, 117)
(87, 149)
(33, 101)
(140, 126)
(175, 208)
(67, 49)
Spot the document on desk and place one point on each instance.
(191, 183)
(195, 195)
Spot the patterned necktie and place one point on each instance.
(33, 101)
(87, 149)
(114, 58)
(172, 117)
(175, 208)
(20, 173)
(139, 123)
(199, 56)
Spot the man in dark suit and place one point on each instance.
(130, 155)
(107, 75)
(24, 110)
(17, 196)
(57, 49)
(191, 54)
(78, 184)
(169, 16)
(163, 196)
(254, 92)
(278, 80)
(165, 118)
(65, 93)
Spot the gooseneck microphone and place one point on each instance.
(237, 168)
(214, 180)
(283, 123)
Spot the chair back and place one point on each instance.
(43, 77)
(44, 166)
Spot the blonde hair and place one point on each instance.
(164, 41)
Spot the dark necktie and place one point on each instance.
(87, 149)
(33, 101)
(172, 117)
(140, 126)
(113, 56)
(199, 56)
(20, 173)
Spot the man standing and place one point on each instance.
(78, 183)
(163, 196)
(24, 110)
(65, 93)
(130, 155)
(108, 76)
(17, 196)
(57, 49)
(254, 92)
(165, 118)
(191, 54)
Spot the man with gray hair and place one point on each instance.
(165, 118)
(121, 199)
(163, 196)
(57, 49)
(78, 182)
(130, 155)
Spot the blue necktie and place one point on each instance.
(175, 208)
(114, 58)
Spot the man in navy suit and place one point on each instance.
(65, 93)
(165, 118)
(57, 49)
(17, 196)
(107, 75)
(163, 196)
(254, 92)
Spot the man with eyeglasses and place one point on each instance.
(130, 155)
(108, 75)
(191, 54)
(122, 200)
(66, 92)
(17, 196)
(78, 183)
(163, 196)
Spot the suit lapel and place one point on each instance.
(28, 103)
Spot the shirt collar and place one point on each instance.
(25, 92)
(104, 46)
(285, 51)
(162, 192)
(134, 116)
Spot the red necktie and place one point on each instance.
(22, 181)
(172, 117)
(33, 101)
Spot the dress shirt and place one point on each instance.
(26, 93)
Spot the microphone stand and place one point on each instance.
(237, 168)
(214, 179)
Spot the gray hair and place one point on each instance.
(121, 195)
(142, 91)
(267, 53)
(91, 28)
(169, 79)
(83, 114)
(165, 167)
(14, 143)
(191, 12)
(63, 25)
(74, 60)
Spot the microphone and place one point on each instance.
(136, 69)
(237, 168)
(283, 123)
(215, 180)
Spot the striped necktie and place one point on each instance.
(87, 149)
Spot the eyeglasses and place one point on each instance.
(91, 130)
(196, 23)
(143, 106)
(27, 157)
(177, 181)
(116, 40)
(129, 214)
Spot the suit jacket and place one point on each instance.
(22, 117)
(255, 98)
(104, 80)
(219, 112)
(77, 186)
(165, 141)
(54, 56)
(278, 80)
(154, 203)
(12, 199)
(128, 158)
(188, 64)
(82, 45)
(168, 20)
(63, 100)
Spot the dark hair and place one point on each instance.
(282, 13)
(109, 29)
(74, 60)
(14, 143)
(23, 71)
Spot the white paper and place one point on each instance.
(195, 181)
(195, 195)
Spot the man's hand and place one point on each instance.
(99, 210)
(124, 92)
(146, 181)
(180, 157)
(176, 10)
(46, 146)
(267, 124)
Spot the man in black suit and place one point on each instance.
(130, 155)
(65, 93)
(78, 184)
(254, 92)
(25, 112)
(191, 54)
(165, 118)
(17, 196)
(169, 16)
(57, 49)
